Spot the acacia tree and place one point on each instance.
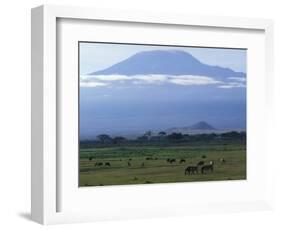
(104, 138)
(162, 134)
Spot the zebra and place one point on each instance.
(209, 167)
(191, 170)
(200, 163)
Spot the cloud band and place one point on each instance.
(183, 80)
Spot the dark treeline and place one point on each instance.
(164, 139)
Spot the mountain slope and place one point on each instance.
(168, 62)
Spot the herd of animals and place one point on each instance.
(201, 167)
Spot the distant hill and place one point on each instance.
(200, 127)
(168, 62)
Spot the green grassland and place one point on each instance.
(158, 170)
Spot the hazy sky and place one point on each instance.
(98, 56)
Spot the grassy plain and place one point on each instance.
(157, 169)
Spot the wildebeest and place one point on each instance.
(182, 161)
(207, 168)
(129, 164)
(191, 170)
(204, 156)
(200, 163)
(151, 158)
(172, 161)
(98, 164)
(107, 164)
(130, 159)
(90, 158)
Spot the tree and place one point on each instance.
(162, 134)
(142, 138)
(119, 139)
(233, 135)
(175, 136)
(104, 138)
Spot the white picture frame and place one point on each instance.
(46, 182)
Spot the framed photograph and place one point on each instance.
(139, 114)
(161, 114)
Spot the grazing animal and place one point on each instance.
(203, 156)
(191, 170)
(182, 161)
(98, 164)
(151, 158)
(129, 164)
(207, 168)
(107, 164)
(130, 159)
(168, 160)
(222, 160)
(172, 161)
(200, 163)
(90, 158)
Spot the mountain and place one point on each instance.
(168, 62)
(200, 127)
(127, 107)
